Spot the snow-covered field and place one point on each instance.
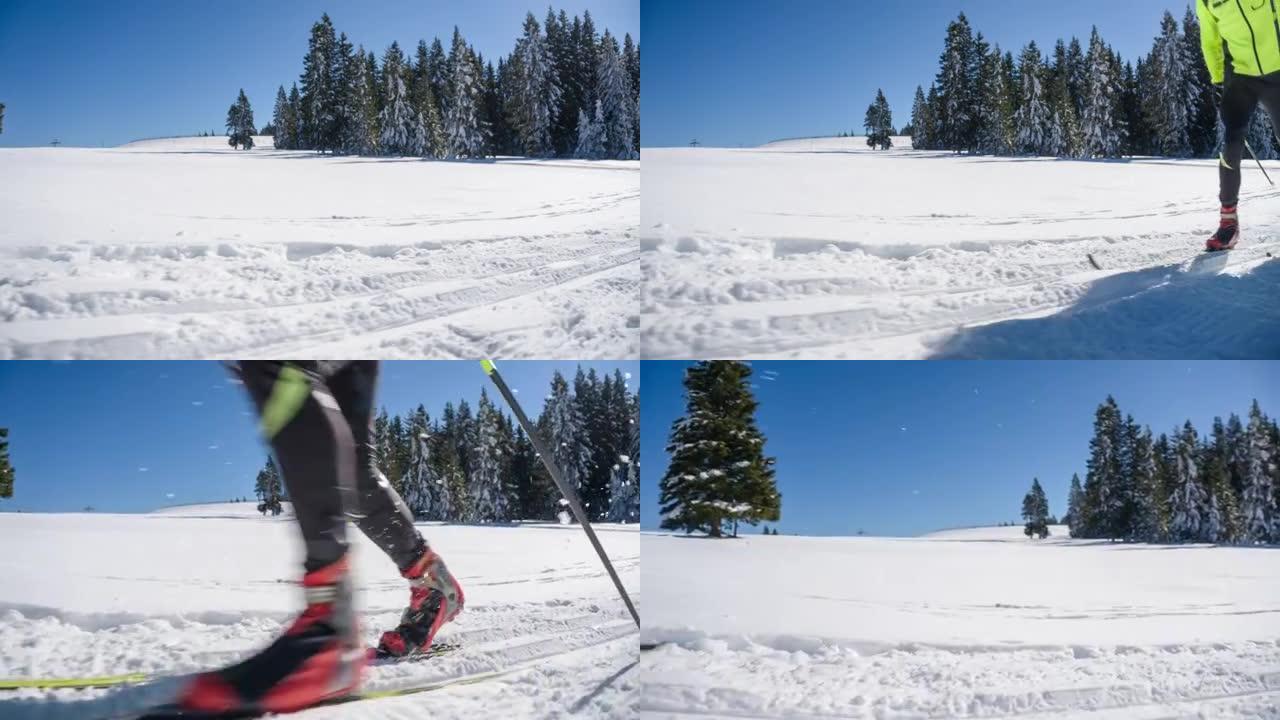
(186, 248)
(961, 624)
(822, 248)
(197, 587)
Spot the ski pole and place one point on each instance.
(1255, 159)
(569, 495)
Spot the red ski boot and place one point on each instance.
(320, 657)
(1228, 231)
(435, 598)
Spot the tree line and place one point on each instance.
(719, 475)
(6, 467)
(1179, 487)
(1077, 102)
(478, 466)
(563, 91)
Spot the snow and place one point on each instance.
(823, 248)
(186, 589)
(964, 623)
(184, 247)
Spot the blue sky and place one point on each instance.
(744, 72)
(902, 448)
(103, 73)
(124, 436)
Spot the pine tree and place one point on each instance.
(1258, 501)
(1, 118)
(1035, 511)
(613, 91)
(319, 88)
(921, 122)
(464, 133)
(956, 82)
(1169, 110)
(282, 122)
(631, 63)
(1204, 108)
(1147, 522)
(6, 466)
(718, 473)
(1221, 522)
(1261, 136)
(879, 123)
(402, 133)
(488, 496)
(1032, 121)
(538, 91)
(1075, 519)
(590, 136)
(565, 434)
(240, 123)
(269, 489)
(1188, 499)
(1102, 492)
(355, 133)
(995, 120)
(1103, 129)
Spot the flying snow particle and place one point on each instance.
(169, 495)
(213, 447)
(915, 492)
(142, 469)
(626, 375)
(903, 428)
(197, 403)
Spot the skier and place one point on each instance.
(1249, 34)
(318, 417)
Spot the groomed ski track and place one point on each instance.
(187, 248)
(824, 249)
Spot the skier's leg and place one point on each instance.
(1239, 99)
(1269, 97)
(320, 656)
(381, 515)
(435, 597)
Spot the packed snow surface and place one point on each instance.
(961, 624)
(823, 248)
(184, 247)
(176, 592)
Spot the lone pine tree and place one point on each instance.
(719, 475)
(1035, 511)
(879, 123)
(269, 489)
(240, 123)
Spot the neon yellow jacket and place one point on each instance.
(1251, 31)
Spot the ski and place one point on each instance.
(175, 713)
(104, 681)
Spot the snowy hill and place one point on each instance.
(247, 509)
(185, 247)
(822, 248)
(968, 623)
(195, 142)
(171, 592)
(996, 533)
(854, 143)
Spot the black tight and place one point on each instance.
(1239, 101)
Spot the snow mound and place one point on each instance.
(855, 143)
(247, 509)
(996, 533)
(208, 142)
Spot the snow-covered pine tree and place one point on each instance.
(425, 107)
(1221, 520)
(1035, 511)
(718, 474)
(995, 121)
(1077, 75)
(590, 135)
(281, 122)
(356, 136)
(1147, 522)
(240, 127)
(1103, 129)
(613, 90)
(1075, 519)
(6, 466)
(879, 123)
(1188, 501)
(1101, 486)
(566, 434)
(1258, 501)
(319, 92)
(400, 129)
(488, 496)
(1170, 107)
(957, 91)
(1261, 135)
(269, 489)
(921, 122)
(631, 63)
(538, 91)
(1204, 108)
(1, 118)
(465, 135)
(1064, 126)
(1032, 121)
